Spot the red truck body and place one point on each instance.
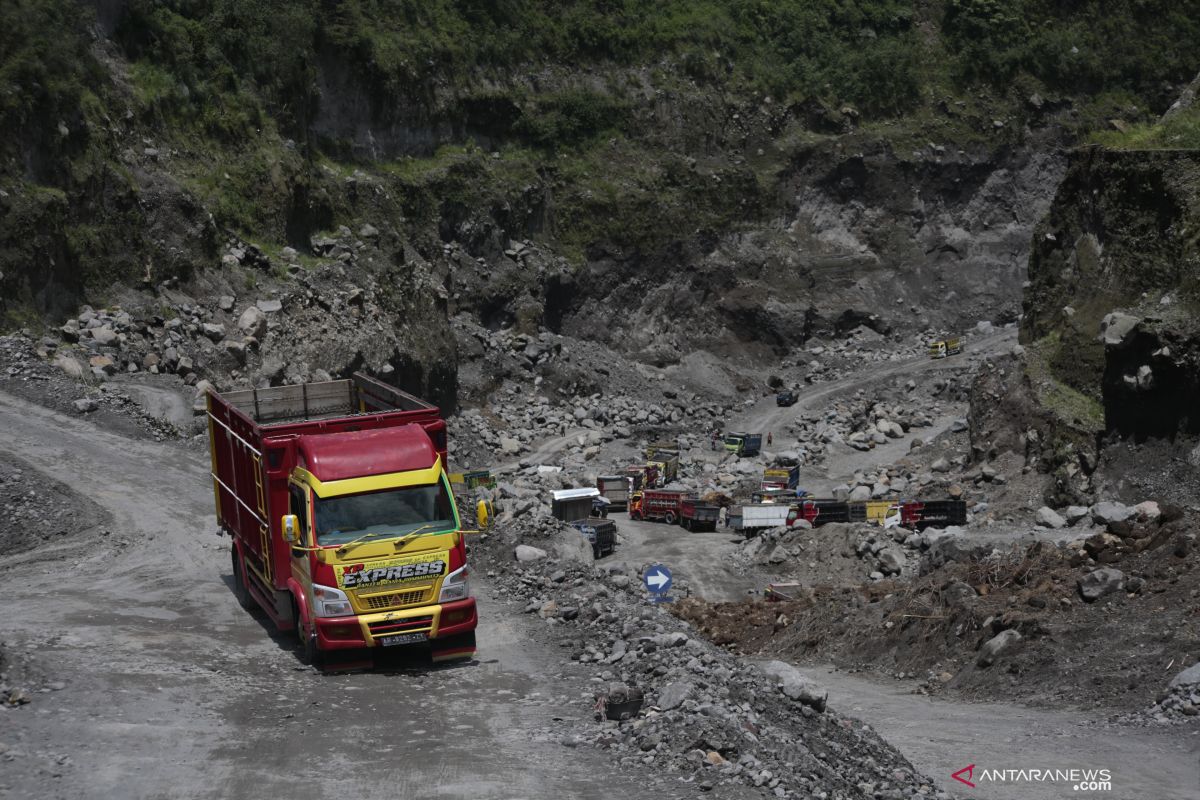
(285, 451)
(657, 504)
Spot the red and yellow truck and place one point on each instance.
(343, 522)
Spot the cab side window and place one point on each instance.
(298, 507)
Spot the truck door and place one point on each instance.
(301, 563)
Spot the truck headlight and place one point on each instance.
(330, 602)
(455, 586)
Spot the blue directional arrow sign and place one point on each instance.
(657, 579)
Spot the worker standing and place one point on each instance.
(768, 438)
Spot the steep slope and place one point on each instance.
(663, 178)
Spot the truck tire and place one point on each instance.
(635, 515)
(669, 518)
(240, 590)
(310, 653)
(687, 524)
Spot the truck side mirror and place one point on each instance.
(290, 525)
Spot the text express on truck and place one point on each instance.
(343, 522)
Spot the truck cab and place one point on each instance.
(377, 558)
(343, 521)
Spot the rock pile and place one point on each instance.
(683, 704)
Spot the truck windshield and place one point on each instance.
(383, 514)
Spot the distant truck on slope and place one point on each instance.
(945, 347)
(780, 478)
(743, 444)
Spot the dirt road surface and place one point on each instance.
(766, 416)
(172, 691)
(941, 737)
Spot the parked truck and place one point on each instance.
(667, 464)
(743, 444)
(656, 505)
(600, 533)
(945, 347)
(750, 519)
(643, 476)
(780, 478)
(696, 515)
(616, 489)
(343, 522)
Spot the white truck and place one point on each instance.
(752, 518)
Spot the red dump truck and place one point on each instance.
(343, 523)
(657, 504)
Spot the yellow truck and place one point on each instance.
(945, 347)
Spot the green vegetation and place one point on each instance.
(1180, 132)
(599, 102)
(1046, 365)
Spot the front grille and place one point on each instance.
(379, 602)
(386, 626)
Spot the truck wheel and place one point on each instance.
(669, 518)
(687, 524)
(240, 590)
(310, 653)
(596, 552)
(635, 515)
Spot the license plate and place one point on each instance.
(403, 638)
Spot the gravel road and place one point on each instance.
(172, 691)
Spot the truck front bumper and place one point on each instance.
(409, 625)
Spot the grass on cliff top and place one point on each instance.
(1180, 132)
(1070, 405)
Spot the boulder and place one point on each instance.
(1047, 517)
(1188, 677)
(104, 335)
(86, 405)
(69, 365)
(941, 465)
(1147, 511)
(1101, 582)
(1108, 512)
(269, 306)
(891, 562)
(253, 322)
(213, 330)
(1075, 513)
(675, 695)
(793, 685)
(1115, 327)
(860, 493)
(525, 554)
(992, 649)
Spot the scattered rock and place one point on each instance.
(992, 649)
(1049, 518)
(525, 553)
(1100, 582)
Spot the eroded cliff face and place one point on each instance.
(1115, 288)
